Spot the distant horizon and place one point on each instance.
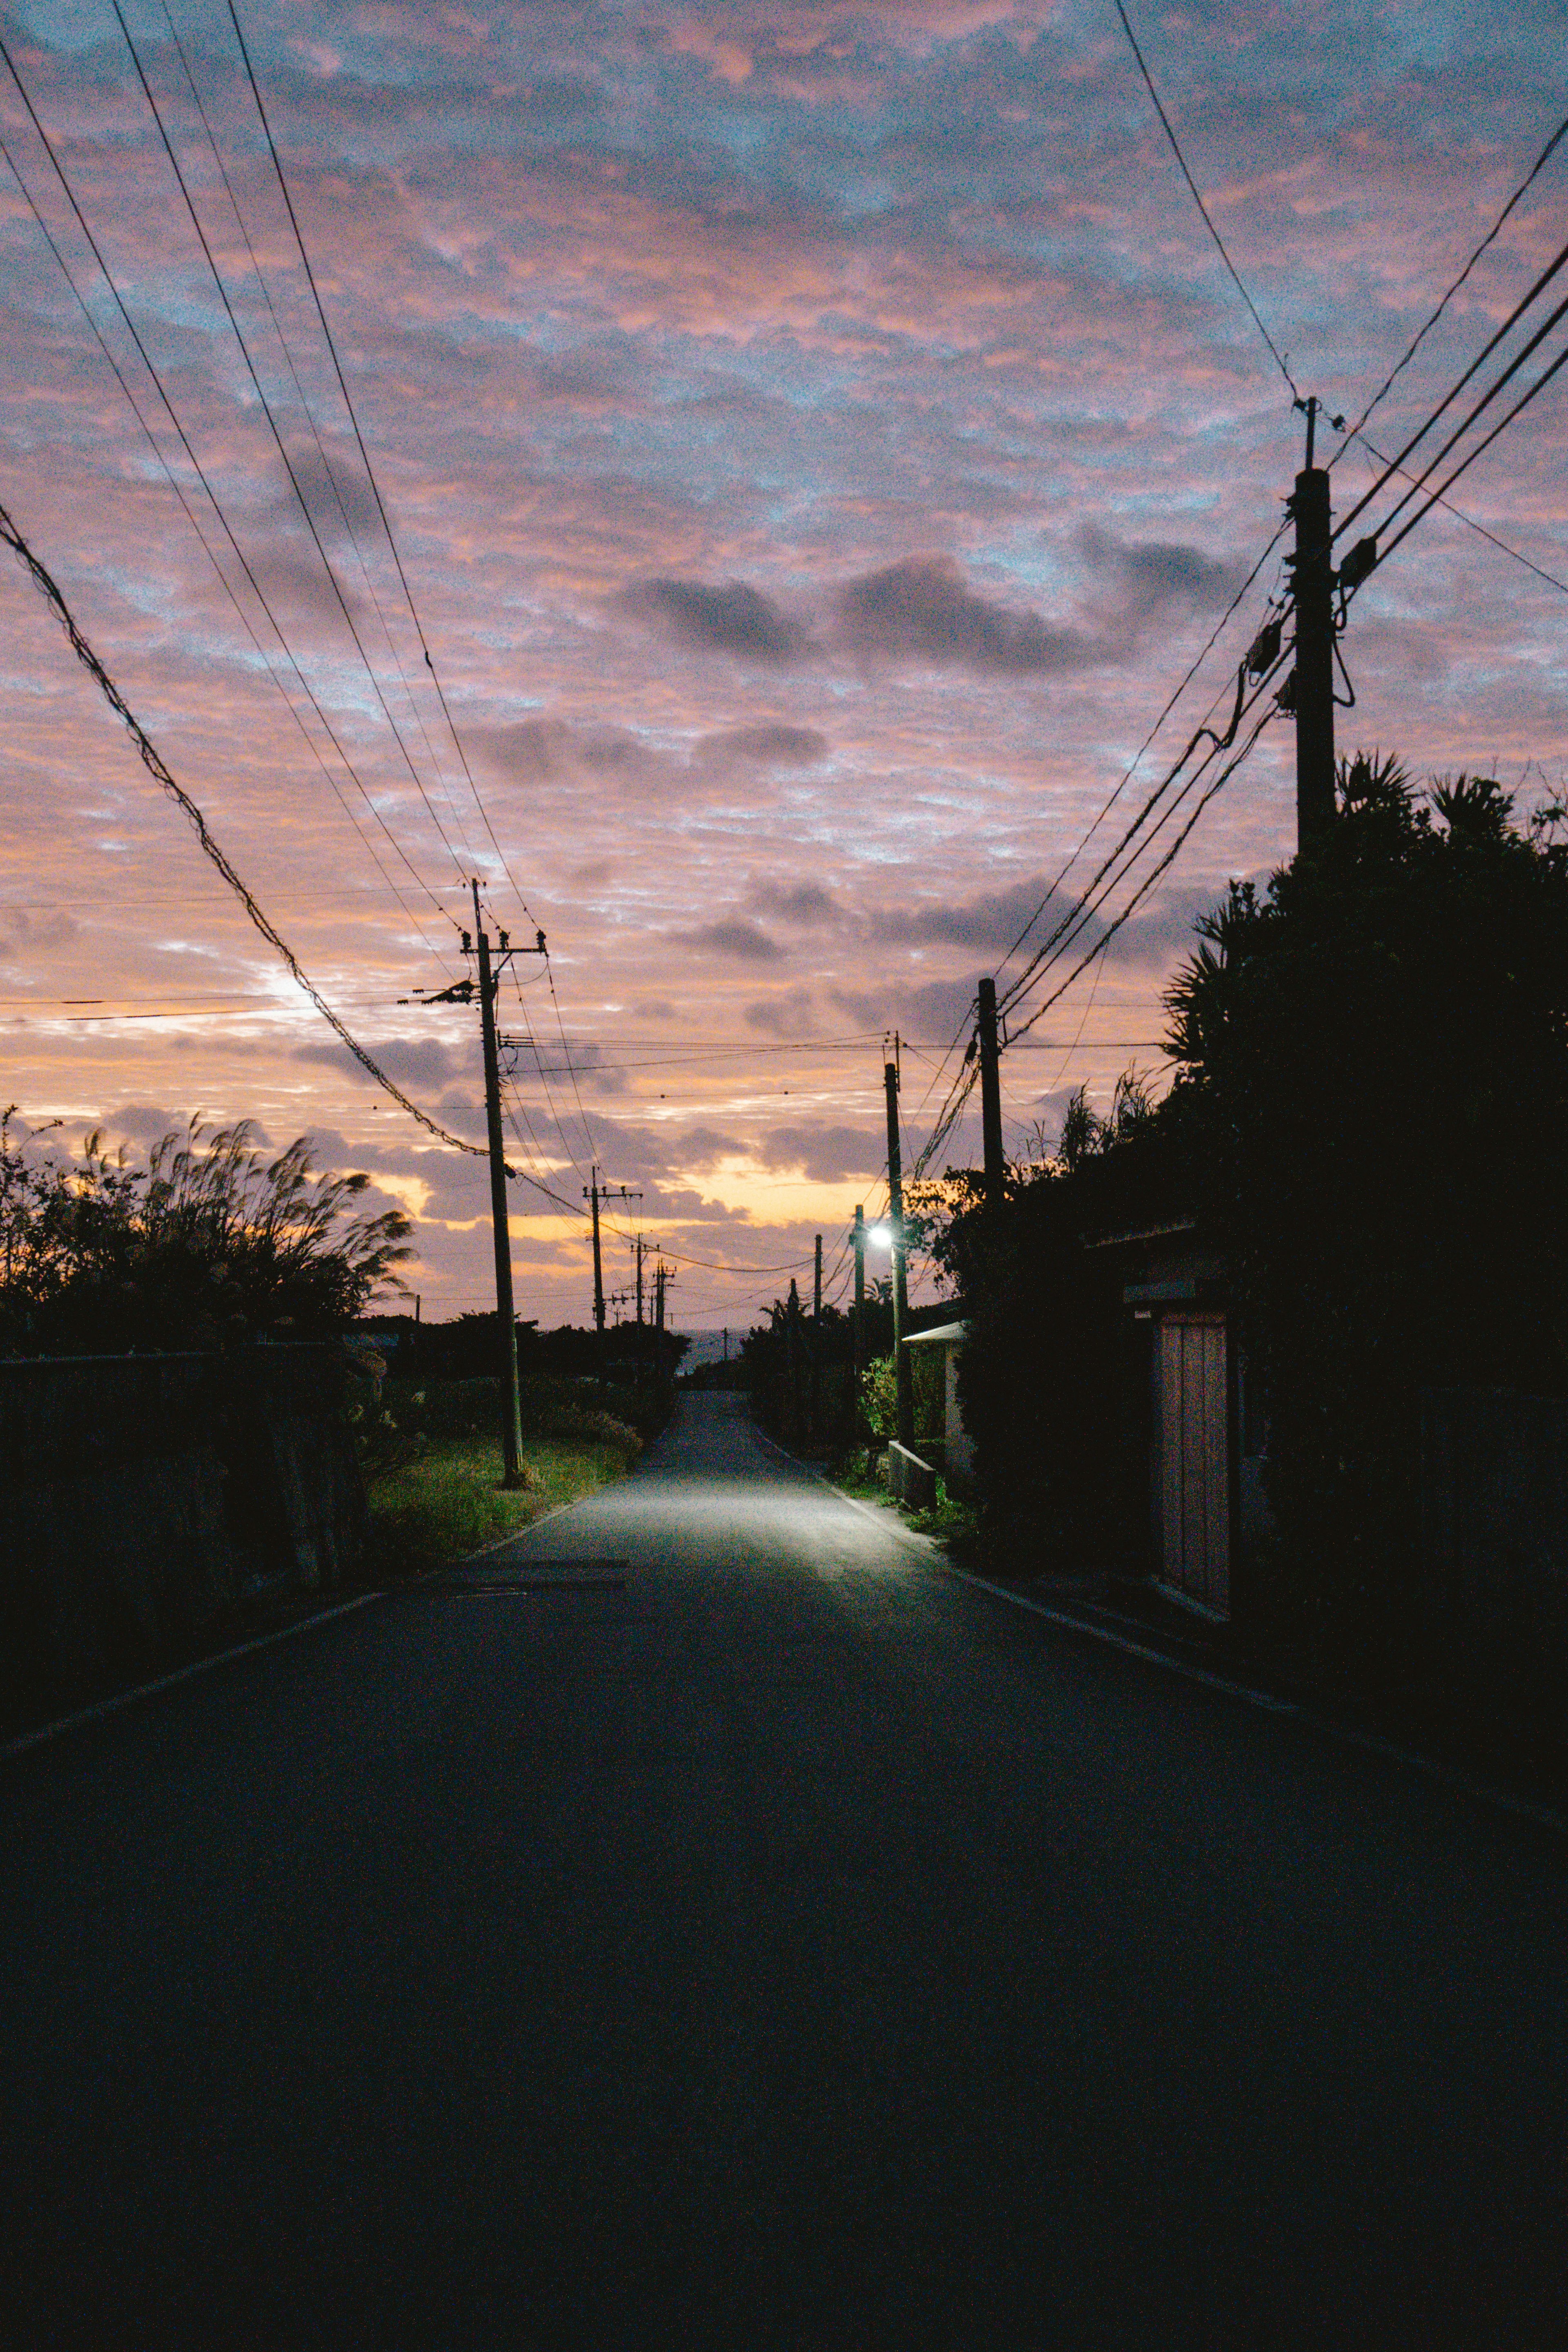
(817, 442)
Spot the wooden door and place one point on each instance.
(1194, 1458)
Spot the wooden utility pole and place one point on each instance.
(506, 1312)
(990, 1094)
(792, 1318)
(859, 1337)
(595, 1192)
(817, 1348)
(903, 1370)
(462, 992)
(1313, 580)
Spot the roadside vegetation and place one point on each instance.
(432, 1461)
(203, 1245)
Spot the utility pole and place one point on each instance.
(817, 1348)
(599, 1269)
(990, 1094)
(1313, 580)
(595, 1192)
(663, 1276)
(462, 992)
(506, 1312)
(903, 1370)
(859, 1337)
(638, 1244)
(791, 1319)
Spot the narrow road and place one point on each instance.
(789, 1946)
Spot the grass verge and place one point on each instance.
(449, 1500)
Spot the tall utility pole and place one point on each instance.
(858, 1340)
(903, 1370)
(639, 1250)
(990, 1094)
(490, 986)
(595, 1192)
(462, 992)
(1314, 679)
(817, 1348)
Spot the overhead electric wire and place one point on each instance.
(459, 863)
(1131, 769)
(1085, 909)
(308, 413)
(1418, 481)
(1153, 877)
(1524, 402)
(570, 1071)
(364, 453)
(1480, 529)
(1203, 209)
(215, 503)
(1413, 346)
(1071, 922)
(1396, 465)
(157, 769)
(1078, 916)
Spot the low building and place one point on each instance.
(957, 1447)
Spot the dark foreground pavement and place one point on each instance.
(792, 1947)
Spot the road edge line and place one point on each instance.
(1450, 1775)
(181, 1675)
(112, 1705)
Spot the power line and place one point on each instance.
(1418, 481)
(306, 410)
(1396, 465)
(1073, 920)
(1480, 528)
(1463, 466)
(279, 443)
(364, 453)
(1153, 877)
(1413, 346)
(211, 496)
(1202, 208)
(152, 762)
(1132, 768)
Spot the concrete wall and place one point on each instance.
(143, 1496)
(1494, 1539)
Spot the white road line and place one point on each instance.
(262, 1642)
(181, 1675)
(1449, 1775)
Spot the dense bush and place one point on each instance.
(204, 1243)
(1370, 1116)
(1373, 1056)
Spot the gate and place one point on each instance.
(1194, 1458)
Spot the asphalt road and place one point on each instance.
(791, 1946)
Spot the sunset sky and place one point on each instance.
(818, 438)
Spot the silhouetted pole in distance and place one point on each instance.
(816, 1349)
(505, 1313)
(859, 1336)
(990, 1094)
(903, 1370)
